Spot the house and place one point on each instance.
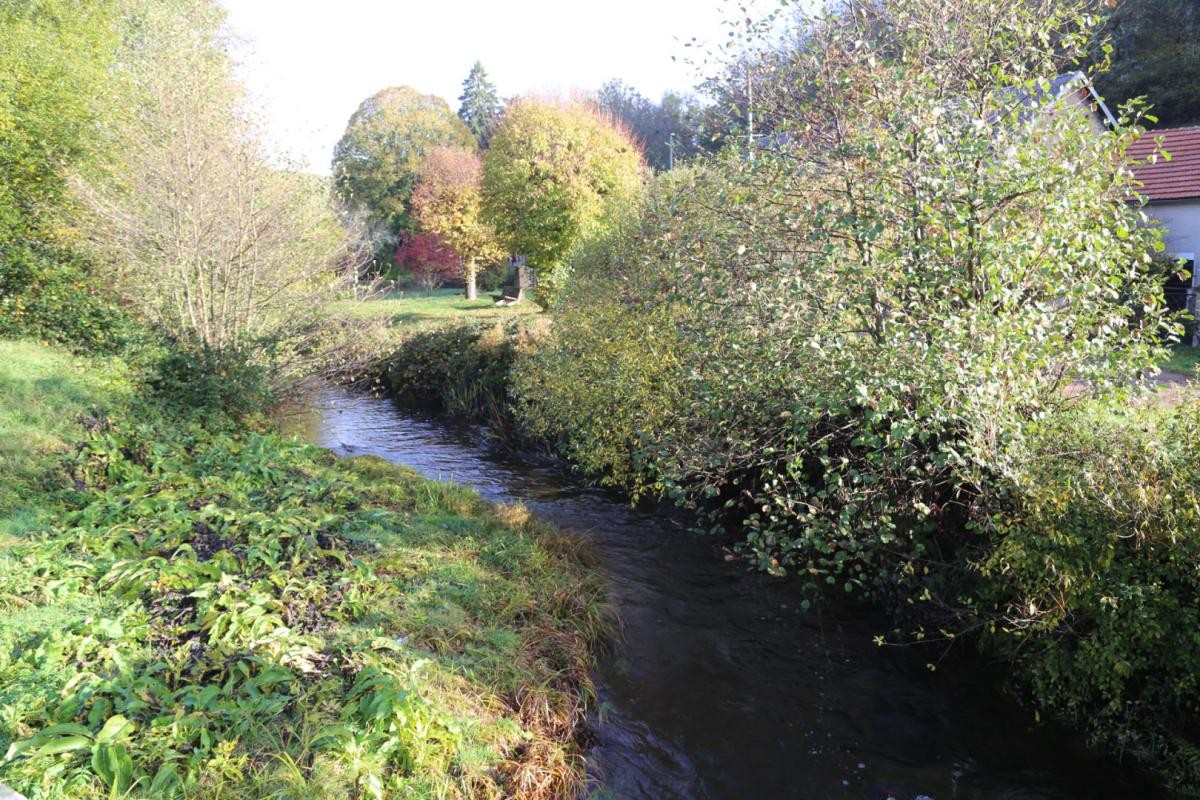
(1172, 188)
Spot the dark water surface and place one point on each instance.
(723, 688)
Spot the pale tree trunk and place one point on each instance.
(469, 274)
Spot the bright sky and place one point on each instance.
(309, 63)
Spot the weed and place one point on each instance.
(200, 612)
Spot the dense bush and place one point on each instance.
(462, 369)
(55, 92)
(847, 369)
(606, 381)
(856, 349)
(427, 261)
(191, 379)
(1090, 585)
(52, 294)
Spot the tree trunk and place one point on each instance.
(469, 274)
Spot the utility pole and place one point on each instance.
(750, 112)
(671, 151)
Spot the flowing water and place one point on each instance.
(723, 687)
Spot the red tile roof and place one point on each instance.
(1177, 179)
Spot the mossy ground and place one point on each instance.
(202, 611)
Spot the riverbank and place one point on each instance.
(1044, 571)
(723, 686)
(199, 610)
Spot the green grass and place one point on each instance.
(204, 613)
(43, 395)
(1184, 360)
(426, 309)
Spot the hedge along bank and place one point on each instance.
(213, 612)
(854, 353)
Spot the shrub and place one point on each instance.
(56, 59)
(197, 380)
(849, 368)
(54, 295)
(429, 260)
(606, 380)
(1092, 585)
(462, 369)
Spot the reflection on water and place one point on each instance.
(723, 687)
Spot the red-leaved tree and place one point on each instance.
(447, 201)
(430, 260)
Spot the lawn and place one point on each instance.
(43, 395)
(424, 309)
(1184, 360)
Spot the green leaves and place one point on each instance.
(1091, 573)
(553, 177)
(232, 604)
(110, 758)
(839, 351)
(376, 161)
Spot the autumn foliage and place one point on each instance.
(431, 261)
(446, 203)
(556, 175)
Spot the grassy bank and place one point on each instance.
(198, 611)
(440, 352)
(43, 393)
(416, 309)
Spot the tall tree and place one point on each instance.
(447, 202)
(479, 105)
(375, 164)
(666, 131)
(555, 175)
(1156, 53)
(208, 238)
(55, 91)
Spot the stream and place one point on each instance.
(722, 687)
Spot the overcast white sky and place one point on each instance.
(309, 63)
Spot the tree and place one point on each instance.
(1156, 53)
(55, 92)
(556, 174)
(376, 161)
(479, 106)
(447, 202)
(660, 128)
(207, 237)
(431, 261)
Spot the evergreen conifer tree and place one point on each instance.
(479, 105)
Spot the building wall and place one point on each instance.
(1182, 221)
